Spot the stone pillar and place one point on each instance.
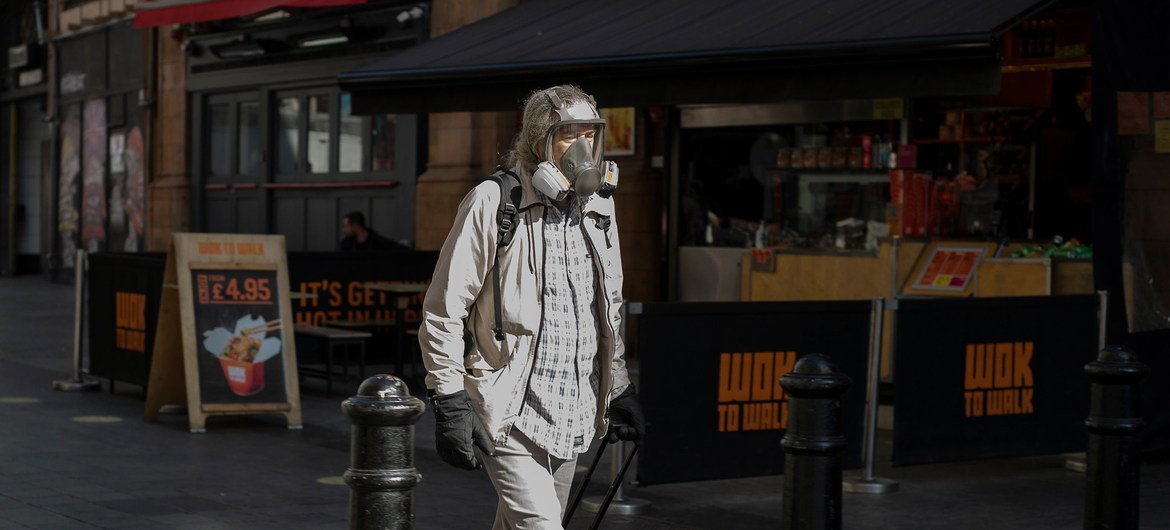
(463, 146)
(169, 189)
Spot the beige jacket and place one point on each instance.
(460, 302)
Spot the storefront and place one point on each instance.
(275, 145)
(102, 142)
(877, 155)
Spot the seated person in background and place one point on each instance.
(359, 237)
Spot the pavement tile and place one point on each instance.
(141, 507)
(37, 518)
(8, 503)
(187, 520)
(28, 492)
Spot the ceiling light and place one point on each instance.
(324, 38)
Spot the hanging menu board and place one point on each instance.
(224, 343)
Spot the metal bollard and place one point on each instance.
(1112, 477)
(813, 444)
(381, 472)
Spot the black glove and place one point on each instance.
(456, 428)
(626, 421)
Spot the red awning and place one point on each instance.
(160, 12)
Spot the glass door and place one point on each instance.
(234, 164)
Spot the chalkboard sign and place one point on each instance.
(225, 330)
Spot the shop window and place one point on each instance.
(250, 151)
(318, 134)
(809, 185)
(351, 148)
(219, 153)
(289, 134)
(318, 148)
(382, 139)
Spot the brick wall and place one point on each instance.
(169, 195)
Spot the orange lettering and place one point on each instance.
(1003, 365)
(1023, 365)
(734, 378)
(761, 376)
(978, 367)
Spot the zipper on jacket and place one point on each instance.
(599, 263)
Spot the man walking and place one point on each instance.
(521, 340)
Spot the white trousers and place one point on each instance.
(532, 485)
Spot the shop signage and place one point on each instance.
(948, 268)
(31, 77)
(226, 336)
(888, 108)
(711, 393)
(992, 377)
(1162, 137)
(72, 83)
(18, 57)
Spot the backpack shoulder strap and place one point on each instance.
(510, 195)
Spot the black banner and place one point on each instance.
(992, 377)
(336, 279)
(120, 283)
(709, 382)
(124, 293)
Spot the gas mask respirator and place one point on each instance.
(580, 169)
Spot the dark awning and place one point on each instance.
(651, 52)
(151, 13)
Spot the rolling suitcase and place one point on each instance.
(613, 487)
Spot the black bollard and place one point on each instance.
(381, 471)
(1112, 475)
(813, 443)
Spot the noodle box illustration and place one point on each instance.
(243, 351)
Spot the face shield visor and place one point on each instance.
(574, 147)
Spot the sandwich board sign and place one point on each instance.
(224, 342)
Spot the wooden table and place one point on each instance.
(399, 293)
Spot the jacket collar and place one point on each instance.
(529, 195)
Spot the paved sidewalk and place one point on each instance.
(89, 461)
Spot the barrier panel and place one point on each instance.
(336, 279)
(709, 382)
(124, 293)
(991, 377)
(125, 289)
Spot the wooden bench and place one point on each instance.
(335, 340)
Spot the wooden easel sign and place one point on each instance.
(224, 343)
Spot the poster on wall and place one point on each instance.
(93, 176)
(67, 186)
(116, 216)
(619, 131)
(224, 336)
(134, 203)
(127, 191)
